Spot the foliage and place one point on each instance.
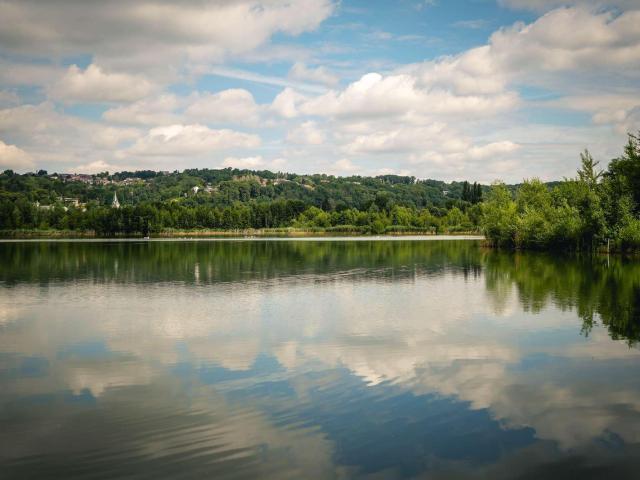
(595, 209)
(231, 199)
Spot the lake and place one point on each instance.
(316, 359)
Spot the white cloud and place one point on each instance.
(475, 72)
(95, 85)
(128, 35)
(569, 39)
(544, 5)
(98, 166)
(286, 103)
(307, 133)
(234, 106)
(18, 73)
(112, 137)
(46, 129)
(14, 157)
(375, 95)
(301, 72)
(150, 111)
(617, 109)
(397, 140)
(431, 150)
(343, 167)
(392, 171)
(568, 50)
(372, 95)
(492, 150)
(450, 117)
(254, 163)
(176, 140)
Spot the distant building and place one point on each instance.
(115, 203)
(71, 201)
(81, 177)
(43, 207)
(195, 190)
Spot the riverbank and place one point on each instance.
(244, 233)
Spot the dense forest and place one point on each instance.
(596, 209)
(231, 199)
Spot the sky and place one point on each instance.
(474, 90)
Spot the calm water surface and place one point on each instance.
(304, 359)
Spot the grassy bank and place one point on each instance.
(204, 233)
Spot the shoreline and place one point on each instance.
(267, 234)
(318, 238)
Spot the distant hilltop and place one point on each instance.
(144, 202)
(226, 186)
(263, 177)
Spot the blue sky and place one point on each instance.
(465, 89)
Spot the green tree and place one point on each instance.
(499, 216)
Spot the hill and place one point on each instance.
(229, 198)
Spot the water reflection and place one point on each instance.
(316, 360)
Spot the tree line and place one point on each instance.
(230, 199)
(599, 208)
(146, 218)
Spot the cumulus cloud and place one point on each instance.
(286, 103)
(343, 167)
(257, 162)
(569, 39)
(234, 106)
(98, 166)
(449, 117)
(150, 111)
(475, 72)
(431, 150)
(307, 133)
(320, 74)
(426, 115)
(14, 157)
(58, 141)
(194, 139)
(397, 140)
(547, 52)
(21, 73)
(492, 149)
(95, 85)
(111, 137)
(47, 129)
(129, 35)
(618, 109)
(544, 5)
(375, 95)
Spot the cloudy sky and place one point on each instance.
(456, 89)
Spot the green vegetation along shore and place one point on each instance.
(598, 209)
(232, 201)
